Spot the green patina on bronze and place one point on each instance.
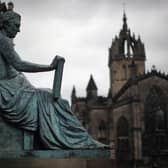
(44, 117)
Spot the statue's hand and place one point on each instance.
(60, 58)
(56, 61)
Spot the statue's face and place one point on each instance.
(12, 27)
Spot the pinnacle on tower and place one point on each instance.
(91, 89)
(91, 84)
(139, 38)
(74, 92)
(73, 95)
(124, 22)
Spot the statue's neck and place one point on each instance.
(2, 31)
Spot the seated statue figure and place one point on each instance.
(30, 108)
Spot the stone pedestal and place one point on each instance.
(16, 151)
(13, 138)
(61, 163)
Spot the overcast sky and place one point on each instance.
(82, 31)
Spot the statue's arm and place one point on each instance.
(13, 59)
(25, 66)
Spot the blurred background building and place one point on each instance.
(133, 117)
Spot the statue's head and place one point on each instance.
(9, 20)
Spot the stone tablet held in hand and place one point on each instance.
(58, 79)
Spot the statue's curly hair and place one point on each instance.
(7, 14)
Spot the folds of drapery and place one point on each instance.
(18, 102)
(35, 109)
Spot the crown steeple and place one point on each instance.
(125, 22)
(126, 48)
(126, 44)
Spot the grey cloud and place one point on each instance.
(82, 31)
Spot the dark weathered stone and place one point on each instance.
(56, 154)
(11, 138)
(41, 118)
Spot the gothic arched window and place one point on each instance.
(102, 131)
(155, 115)
(122, 138)
(160, 120)
(155, 110)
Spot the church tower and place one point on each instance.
(126, 58)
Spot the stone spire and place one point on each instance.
(125, 27)
(91, 88)
(73, 94)
(91, 84)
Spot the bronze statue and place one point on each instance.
(31, 108)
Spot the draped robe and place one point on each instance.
(35, 109)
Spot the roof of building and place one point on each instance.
(139, 78)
